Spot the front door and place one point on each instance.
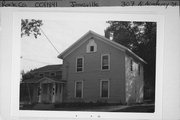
(47, 95)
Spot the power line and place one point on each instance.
(50, 41)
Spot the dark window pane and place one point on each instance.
(79, 64)
(105, 67)
(79, 69)
(79, 89)
(91, 48)
(41, 75)
(105, 61)
(53, 74)
(104, 89)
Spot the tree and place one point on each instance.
(27, 75)
(30, 26)
(140, 37)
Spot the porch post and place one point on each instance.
(40, 91)
(53, 93)
(61, 94)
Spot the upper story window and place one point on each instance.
(41, 75)
(105, 62)
(53, 74)
(79, 64)
(91, 46)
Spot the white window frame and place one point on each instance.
(82, 64)
(91, 43)
(81, 89)
(108, 62)
(101, 88)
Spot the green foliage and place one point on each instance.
(140, 37)
(30, 26)
(27, 75)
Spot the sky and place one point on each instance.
(39, 52)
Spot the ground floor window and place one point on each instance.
(104, 88)
(79, 89)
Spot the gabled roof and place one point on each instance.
(57, 67)
(91, 34)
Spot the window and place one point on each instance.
(91, 46)
(105, 60)
(104, 89)
(53, 74)
(79, 89)
(79, 64)
(41, 75)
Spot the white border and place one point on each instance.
(69, 13)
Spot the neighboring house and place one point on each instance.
(43, 85)
(97, 69)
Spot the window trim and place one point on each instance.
(108, 61)
(91, 43)
(81, 89)
(101, 88)
(82, 64)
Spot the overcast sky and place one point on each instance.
(38, 52)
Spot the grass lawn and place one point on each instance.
(146, 109)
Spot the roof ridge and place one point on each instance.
(102, 37)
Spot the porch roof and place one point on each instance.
(44, 79)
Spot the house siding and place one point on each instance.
(134, 81)
(92, 74)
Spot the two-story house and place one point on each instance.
(43, 85)
(97, 69)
